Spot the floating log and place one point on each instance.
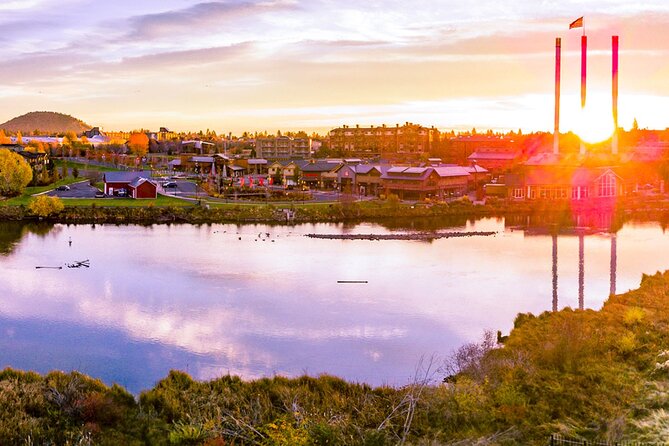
(351, 281)
(411, 236)
(48, 267)
(79, 264)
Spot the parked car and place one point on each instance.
(122, 193)
(99, 194)
(63, 187)
(169, 184)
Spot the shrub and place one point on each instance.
(44, 206)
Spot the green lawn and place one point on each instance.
(161, 201)
(30, 191)
(83, 166)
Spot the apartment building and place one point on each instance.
(283, 148)
(366, 142)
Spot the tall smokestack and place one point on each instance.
(584, 58)
(555, 273)
(614, 93)
(584, 63)
(581, 269)
(614, 263)
(556, 131)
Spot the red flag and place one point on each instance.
(241, 182)
(578, 23)
(271, 181)
(261, 181)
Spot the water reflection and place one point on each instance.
(12, 232)
(604, 223)
(198, 298)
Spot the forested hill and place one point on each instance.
(46, 122)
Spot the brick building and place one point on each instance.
(283, 148)
(409, 140)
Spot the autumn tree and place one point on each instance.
(69, 139)
(19, 138)
(43, 205)
(15, 173)
(4, 139)
(138, 143)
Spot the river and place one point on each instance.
(218, 299)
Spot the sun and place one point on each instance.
(595, 123)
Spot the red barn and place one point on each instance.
(131, 184)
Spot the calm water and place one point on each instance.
(197, 298)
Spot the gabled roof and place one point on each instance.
(139, 180)
(500, 156)
(364, 169)
(451, 171)
(407, 173)
(125, 177)
(12, 147)
(32, 155)
(476, 169)
(318, 166)
(257, 161)
(202, 159)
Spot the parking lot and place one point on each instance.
(181, 187)
(75, 190)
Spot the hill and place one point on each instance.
(46, 122)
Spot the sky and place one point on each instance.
(239, 65)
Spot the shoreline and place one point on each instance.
(372, 211)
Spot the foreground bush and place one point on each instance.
(44, 206)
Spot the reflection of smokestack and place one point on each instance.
(614, 262)
(556, 131)
(584, 59)
(584, 50)
(581, 268)
(555, 275)
(614, 93)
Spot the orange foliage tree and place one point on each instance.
(138, 143)
(4, 139)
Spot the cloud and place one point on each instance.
(201, 17)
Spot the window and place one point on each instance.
(519, 192)
(607, 185)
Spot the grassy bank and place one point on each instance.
(167, 209)
(588, 374)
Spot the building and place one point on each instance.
(284, 172)
(549, 176)
(418, 183)
(315, 173)
(494, 161)
(38, 161)
(256, 166)
(361, 179)
(283, 148)
(165, 134)
(408, 141)
(458, 149)
(132, 184)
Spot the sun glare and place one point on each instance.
(595, 123)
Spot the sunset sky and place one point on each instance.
(290, 64)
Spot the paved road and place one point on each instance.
(184, 188)
(77, 190)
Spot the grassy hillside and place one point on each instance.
(592, 375)
(46, 122)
